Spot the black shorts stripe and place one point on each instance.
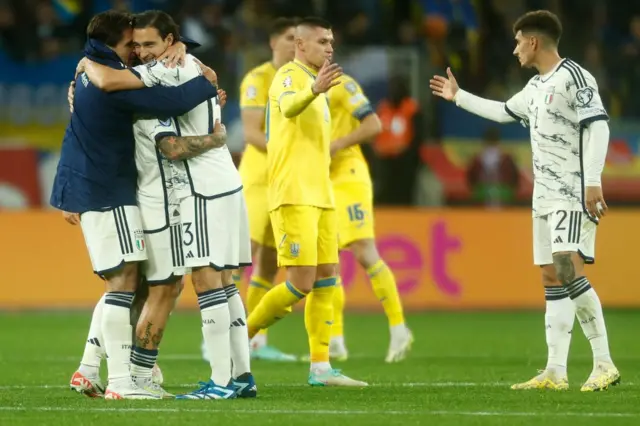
(176, 246)
(116, 220)
(196, 224)
(128, 241)
(172, 243)
(205, 216)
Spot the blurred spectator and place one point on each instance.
(396, 148)
(594, 63)
(10, 31)
(493, 175)
(631, 67)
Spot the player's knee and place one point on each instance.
(255, 249)
(302, 277)
(268, 263)
(365, 252)
(227, 276)
(326, 271)
(549, 277)
(205, 279)
(124, 279)
(564, 267)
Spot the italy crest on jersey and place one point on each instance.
(549, 97)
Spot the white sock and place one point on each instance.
(240, 352)
(258, 341)
(116, 331)
(337, 341)
(216, 323)
(320, 367)
(142, 362)
(94, 349)
(558, 318)
(398, 331)
(589, 313)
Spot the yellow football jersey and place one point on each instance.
(298, 154)
(348, 106)
(254, 93)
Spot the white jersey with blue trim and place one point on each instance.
(557, 107)
(212, 174)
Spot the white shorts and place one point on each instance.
(563, 230)
(165, 264)
(113, 237)
(215, 232)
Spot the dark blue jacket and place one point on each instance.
(97, 169)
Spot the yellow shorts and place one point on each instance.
(260, 229)
(354, 205)
(305, 235)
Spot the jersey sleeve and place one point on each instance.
(253, 93)
(583, 90)
(516, 107)
(156, 73)
(287, 82)
(159, 128)
(352, 97)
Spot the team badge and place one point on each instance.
(287, 81)
(549, 97)
(165, 123)
(351, 87)
(251, 93)
(584, 96)
(139, 236)
(294, 249)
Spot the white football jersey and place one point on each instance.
(556, 107)
(210, 175)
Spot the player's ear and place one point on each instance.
(170, 39)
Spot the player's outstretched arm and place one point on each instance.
(447, 88)
(177, 148)
(293, 103)
(369, 128)
(111, 80)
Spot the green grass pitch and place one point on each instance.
(458, 373)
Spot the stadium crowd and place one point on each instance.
(474, 37)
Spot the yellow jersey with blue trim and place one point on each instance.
(348, 106)
(298, 130)
(254, 94)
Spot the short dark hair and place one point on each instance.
(107, 27)
(540, 21)
(280, 25)
(161, 21)
(313, 22)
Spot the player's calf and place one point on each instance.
(116, 327)
(149, 332)
(384, 286)
(216, 322)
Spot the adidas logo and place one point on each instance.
(558, 240)
(190, 255)
(238, 323)
(176, 213)
(94, 341)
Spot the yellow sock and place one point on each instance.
(337, 328)
(274, 306)
(258, 287)
(318, 316)
(384, 286)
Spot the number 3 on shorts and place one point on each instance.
(188, 235)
